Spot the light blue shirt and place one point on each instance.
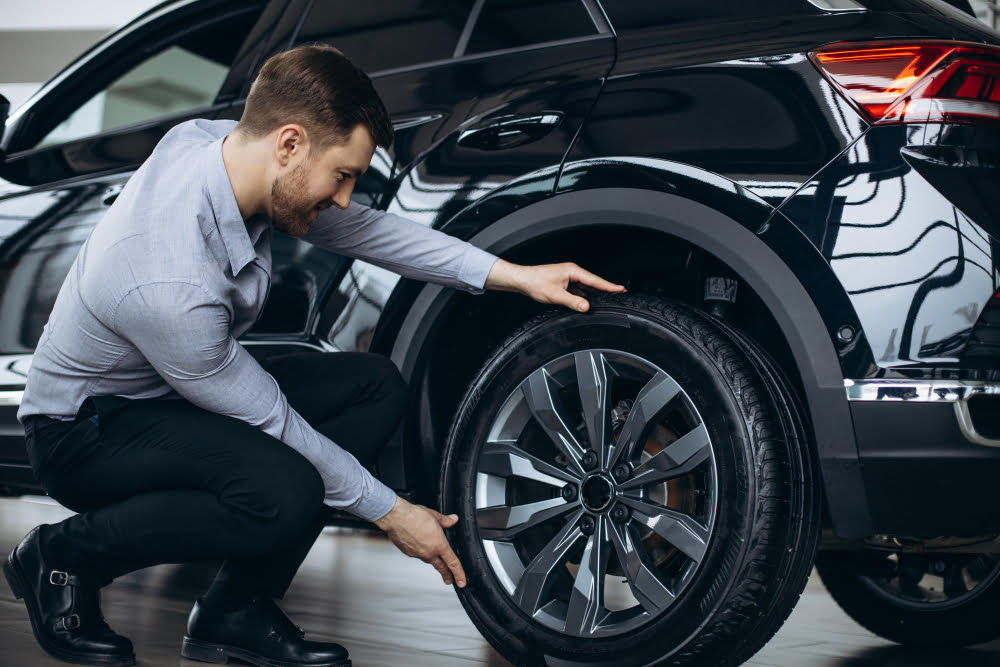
(172, 275)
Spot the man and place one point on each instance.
(143, 414)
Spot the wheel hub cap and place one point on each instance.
(597, 494)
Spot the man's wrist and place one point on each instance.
(385, 520)
(505, 276)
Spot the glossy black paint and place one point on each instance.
(716, 115)
(917, 269)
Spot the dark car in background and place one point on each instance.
(801, 197)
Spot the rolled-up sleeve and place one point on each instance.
(402, 246)
(183, 331)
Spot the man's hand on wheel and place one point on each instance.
(562, 283)
(417, 532)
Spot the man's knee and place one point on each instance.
(281, 499)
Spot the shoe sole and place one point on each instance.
(195, 649)
(18, 585)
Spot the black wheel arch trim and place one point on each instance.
(732, 242)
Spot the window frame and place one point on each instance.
(594, 11)
(144, 38)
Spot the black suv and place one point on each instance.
(801, 196)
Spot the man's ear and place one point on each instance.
(291, 141)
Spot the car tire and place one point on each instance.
(715, 598)
(857, 581)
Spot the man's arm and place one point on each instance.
(414, 250)
(184, 334)
(402, 246)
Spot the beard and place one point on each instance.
(291, 213)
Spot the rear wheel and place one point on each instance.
(633, 485)
(917, 599)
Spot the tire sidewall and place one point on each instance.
(672, 349)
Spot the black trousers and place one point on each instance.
(164, 481)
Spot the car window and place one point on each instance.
(387, 34)
(180, 77)
(507, 24)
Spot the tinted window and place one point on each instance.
(385, 34)
(633, 14)
(506, 24)
(180, 77)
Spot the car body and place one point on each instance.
(658, 144)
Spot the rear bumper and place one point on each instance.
(928, 470)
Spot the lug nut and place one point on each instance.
(587, 525)
(569, 492)
(619, 514)
(590, 460)
(620, 472)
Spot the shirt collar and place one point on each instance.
(232, 227)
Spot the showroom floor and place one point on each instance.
(356, 589)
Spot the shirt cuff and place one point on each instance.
(372, 506)
(475, 268)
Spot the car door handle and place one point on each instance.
(510, 131)
(110, 194)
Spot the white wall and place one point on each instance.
(70, 14)
(40, 37)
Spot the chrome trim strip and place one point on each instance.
(322, 346)
(839, 5)
(956, 392)
(922, 391)
(969, 429)
(11, 398)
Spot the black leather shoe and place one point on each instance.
(64, 608)
(259, 633)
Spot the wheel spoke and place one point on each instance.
(681, 530)
(505, 459)
(651, 400)
(586, 598)
(646, 586)
(592, 376)
(545, 407)
(502, 522)
(531, 587)
(678, 458)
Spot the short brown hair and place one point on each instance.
(319, 87)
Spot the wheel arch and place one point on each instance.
(730, 238)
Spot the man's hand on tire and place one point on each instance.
(418, 532)
(562, 283)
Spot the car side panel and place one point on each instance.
(917, 269)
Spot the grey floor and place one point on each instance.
(356, 589)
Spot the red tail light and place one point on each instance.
(916, 82)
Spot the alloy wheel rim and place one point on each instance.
(596, 493)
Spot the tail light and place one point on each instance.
(916, 82)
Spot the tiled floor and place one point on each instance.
(356, 589)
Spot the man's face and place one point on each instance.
(317, 182)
